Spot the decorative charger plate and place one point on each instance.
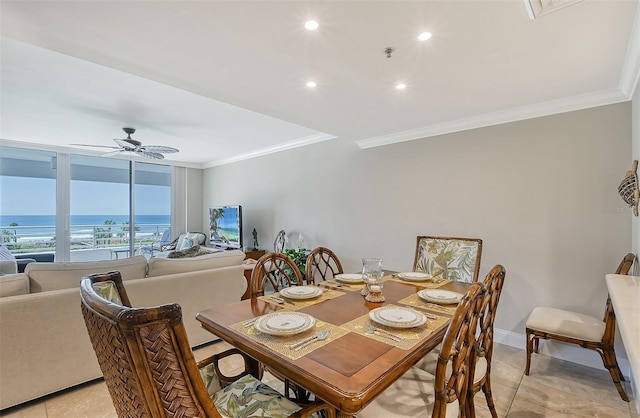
(397, 317)
(440, 296)
(415, 276)
(301, 292)
(349, 278)
(285, 323)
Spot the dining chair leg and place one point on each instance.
(486, 389)
(529, 349)
(610, 363)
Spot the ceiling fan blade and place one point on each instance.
(159, 148)
(126, 144)
(151, 154)
(97, 146)
(112, 153)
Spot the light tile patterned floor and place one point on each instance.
(554, 389)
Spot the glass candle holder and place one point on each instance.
(372, 277)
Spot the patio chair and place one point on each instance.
(584, 330)
(157, 245)
(452, 258)
(150, 370)
(323, 264)
(418, 393)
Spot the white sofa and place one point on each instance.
(44, 345)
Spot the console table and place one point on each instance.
(248, 269)
(625, 296)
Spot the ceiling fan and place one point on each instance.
(129, 145)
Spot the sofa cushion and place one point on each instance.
(164, 266)
(44, 277)
(14, 284)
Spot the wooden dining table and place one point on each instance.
(349, 371)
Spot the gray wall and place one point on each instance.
(541, 193)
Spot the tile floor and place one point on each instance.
(554, 388)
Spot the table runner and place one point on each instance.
(281, 344)
(415, 301)
(410, 336)
(301, 303)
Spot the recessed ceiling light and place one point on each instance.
(311, 84)
(424, 36)
(401, 86)
(311, 25)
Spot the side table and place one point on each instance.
(248, 269)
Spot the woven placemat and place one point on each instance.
(415, 301)
(353, 287)
(410, 336)
(302, 303)
(429, 284)
(281, 344)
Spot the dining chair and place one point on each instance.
(150, 370)
(493, 283)
(576, 328)
(419, 393)
(280, 242)
(452, 258)
(322, 264)
(275, 270)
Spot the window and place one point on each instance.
(28, 200)
(92, 204)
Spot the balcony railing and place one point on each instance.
(36, 239)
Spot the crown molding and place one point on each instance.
(571, 104)
(631, 68)
(270, 150)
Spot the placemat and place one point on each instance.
(348, 286)
(302, 303)
(281, 344)
(415, 301)
(410, 336)
(431, 284)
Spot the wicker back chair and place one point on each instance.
(419, 393)
(493, 283)
(583, 330)
(150, 370)
(276, 270)
(322, 264)
(449, 257)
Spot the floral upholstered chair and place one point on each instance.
(150, 370)
(452, 258)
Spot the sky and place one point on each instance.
(37, 196)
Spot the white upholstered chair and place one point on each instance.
(576, 328)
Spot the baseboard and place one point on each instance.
(563, 351)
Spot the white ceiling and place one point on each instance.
(225, 80)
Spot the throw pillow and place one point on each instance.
(186, 243)
(189, 252)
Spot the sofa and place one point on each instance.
(44, 345)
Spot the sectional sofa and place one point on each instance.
(44, 345)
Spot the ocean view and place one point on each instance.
(50, 220)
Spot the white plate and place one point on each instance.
(301, 292)
(397, 317)
(415, 276)
(285, 323)
(349, 278)
(440, 296)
